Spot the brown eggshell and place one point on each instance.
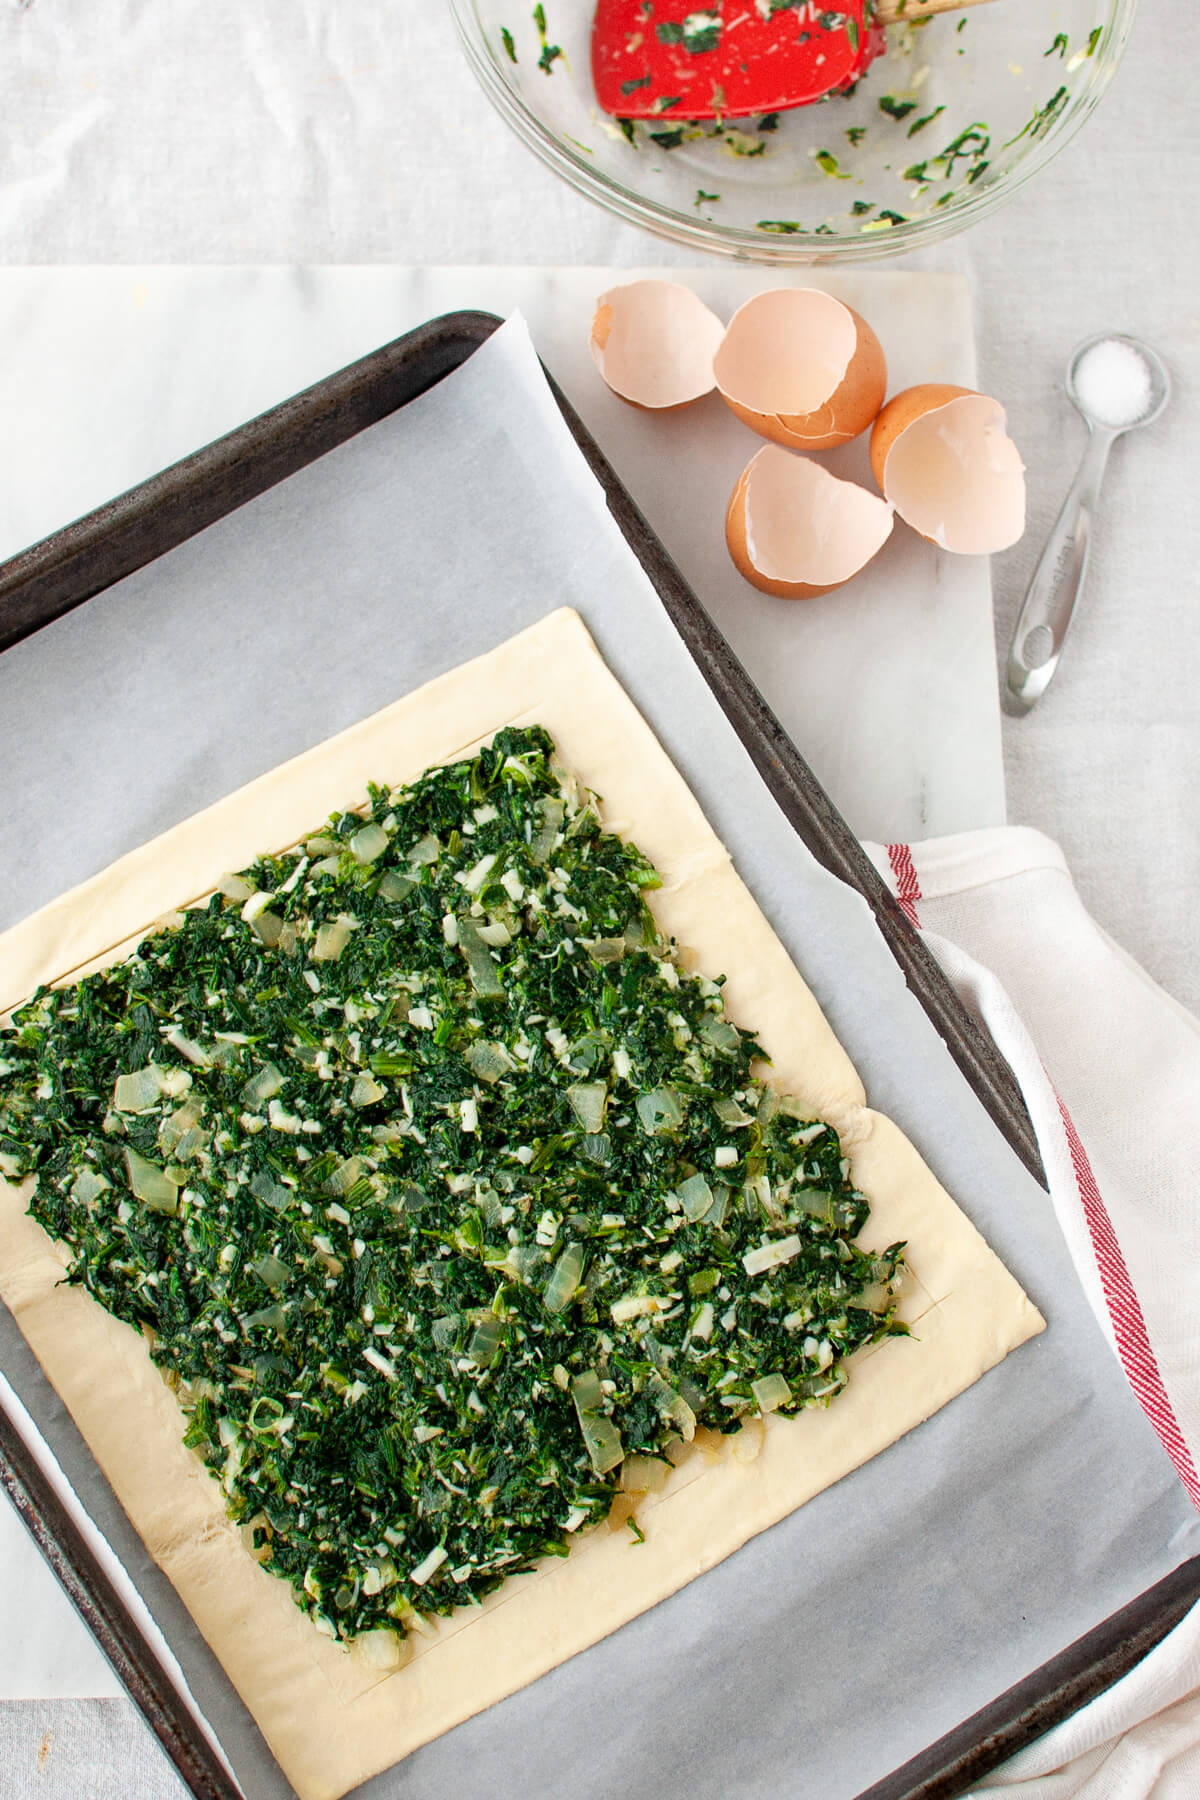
(784, 468)
(653, 344)
(801, 368)
(735, 538)
(899, 414)
(943, 458)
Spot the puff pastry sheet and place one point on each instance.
(330, 1721)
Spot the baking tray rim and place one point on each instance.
(79, 562)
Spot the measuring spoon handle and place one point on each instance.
(1057, 581)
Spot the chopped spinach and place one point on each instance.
(439, 1187)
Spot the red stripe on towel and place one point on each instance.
(908, 888)
(1133, 1341)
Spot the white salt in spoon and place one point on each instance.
(1117, 384)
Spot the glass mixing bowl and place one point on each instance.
(961, 111)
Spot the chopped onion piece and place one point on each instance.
(138, 1091)
(432, 1563)
(602, 1441)
(382, 1649)
(234, 887)
(660, 1110)
(770, 1391)
(644, 1474)
(604, 950)
(474, 878)
(702, 1325)
(270, 1271)
(271, 1317)
(874, 1299)
(769, 1256)
(188, 1050)
(723, 1036)
(367, 845)
(587, 1392)
(485, 977)
(635, 1306)
(269, 927)
(730, 1113)
(695, 1196)
(601, 1438)
(564, 1279)
(345, 1175)
(258, 903)
(589, 1103)
(150, 1183)
(489, 1061)
(366, 1091)
(88, 1186)
(262, 1085)
(486, 1340)
(747, 1445)
(394, 886)
(331, 939)
(671, 1405)
(546, 836)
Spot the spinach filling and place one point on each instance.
(447, 1200)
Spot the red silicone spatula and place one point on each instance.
(655, 59)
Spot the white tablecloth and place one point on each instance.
(293, 131)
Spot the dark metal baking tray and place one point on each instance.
(77, 564)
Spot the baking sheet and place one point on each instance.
(422, 542)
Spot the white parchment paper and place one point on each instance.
(845, 1640)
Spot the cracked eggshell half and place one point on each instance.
(796, 531)
(943, 457)
(801, 368)
(653, 343)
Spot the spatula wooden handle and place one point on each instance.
(905, 12)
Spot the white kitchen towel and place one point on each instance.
(1109, 1066)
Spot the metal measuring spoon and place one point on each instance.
(1058, 579)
